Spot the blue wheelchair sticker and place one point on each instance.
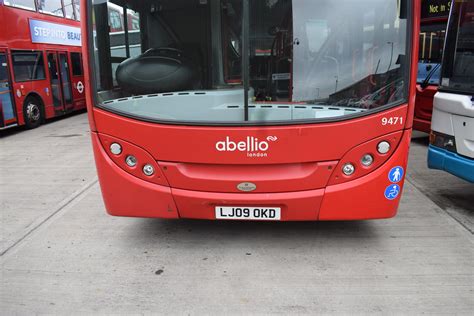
(392, 191)
(396, 174)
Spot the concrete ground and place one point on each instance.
(61, 253)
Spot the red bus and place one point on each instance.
(253, 110)
(41, 72)
(434, 18)
(116, 19)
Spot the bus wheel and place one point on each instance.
(32, 112)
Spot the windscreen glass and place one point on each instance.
(431, 52)
(232, 61)
(458, 61)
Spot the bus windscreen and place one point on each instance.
(231, 61)
(458, 72)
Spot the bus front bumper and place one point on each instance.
(453, 163)
(360, 199)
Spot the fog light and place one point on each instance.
(115, 149)
(148, 170)
(367, 160)
(348, 169)
(131, 161)
(383, 147)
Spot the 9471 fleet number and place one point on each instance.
(394, 120)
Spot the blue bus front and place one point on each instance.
(452, 128)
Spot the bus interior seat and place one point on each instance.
(158, 70)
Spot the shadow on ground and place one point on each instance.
(452, 194)
(204, 232)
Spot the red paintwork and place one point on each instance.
(357, 199)
(270, 178)
(294, 175)
(141, 155)
(363, 198)
(127, 195)
(355, 154)
(79, 98)
(295, 206)
(424, 107)
(414, 63)
(15, 35)
(296, 143)
(86, 62)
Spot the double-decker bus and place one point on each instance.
(41, 71)
(452, 129)
(253, 109)
(434, 17)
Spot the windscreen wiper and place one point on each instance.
(426, 82)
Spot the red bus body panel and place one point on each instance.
(424, 107)
(300, 172)
(295, 144)
(15, 35)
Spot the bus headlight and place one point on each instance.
(148, 170)
(383, 147)
(367, 160)
(348, 169)
(131, 161)
(115, 148)
(443, 141)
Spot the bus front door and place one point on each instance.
(7, 108)
(65, 82)
(60, 82)
(55, 83)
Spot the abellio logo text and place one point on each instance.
(251, 145)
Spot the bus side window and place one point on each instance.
(431, 43)
(28, 66)
(115, 21)
(134, 37)
(24, 4)
(76, 64)
(77, 9)
(54, 7)
(69, 9)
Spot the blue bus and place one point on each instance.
(452, 127)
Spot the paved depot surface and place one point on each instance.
(39, 170)
(63, 254)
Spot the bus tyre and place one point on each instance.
(32, 112)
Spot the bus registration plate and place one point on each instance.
(248, 213)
